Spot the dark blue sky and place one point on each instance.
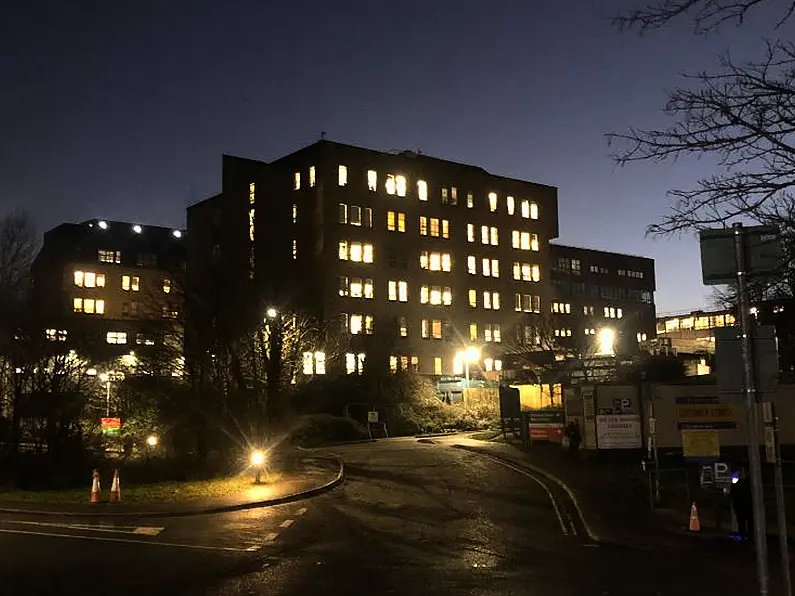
(122, 109)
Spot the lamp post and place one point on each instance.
(105, 378)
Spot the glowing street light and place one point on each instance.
(469, 356)
(152, 441)
(272, 313)
(258, 461)
(606, 340)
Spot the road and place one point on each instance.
(412, 517)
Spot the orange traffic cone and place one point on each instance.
(115, 489)
(96, 494)
(695, 525)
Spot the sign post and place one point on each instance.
(773, 456)
(757, 251)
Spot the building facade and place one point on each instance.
(603, 302)
(411, 259)
(108, 289)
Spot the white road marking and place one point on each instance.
(146, 531)
(286, 523)
(302, 511)
(107, 528)
(126, 541)
(527, 474)
(271, 537)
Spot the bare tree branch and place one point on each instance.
(706, 15)
(744, 117)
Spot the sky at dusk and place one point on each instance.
(121, 110)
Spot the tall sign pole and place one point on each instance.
(755, 463)
(732, 256)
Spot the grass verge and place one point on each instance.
(160, 492)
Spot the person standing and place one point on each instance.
(743, 505)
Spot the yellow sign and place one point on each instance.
(704, 413)
(700, 443)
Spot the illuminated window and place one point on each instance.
(78, 304)
(492, 333)
(561, 307)
(400, 184)
(252, 193)
(92, 280)
(526, 272)
(297, 181)
(435, 227)
(116, 337)
(166, 286)
(372, 180)
(251, 225)
(403, 327)
(453, 196)
(56, 334)
(470, 200)
(511, 204)
(422, 190)
(359, 324)
(533, 211)
(423, 225)
(445, 229)
(524, 240)
(395, 221)
(473, 298)
(342, 176)
(492, 202)
(436, 295)
(435, 261)
(79, 278)
(447, 296)
(445, 195)
(89, 305)
(312, 176)
(314, 363)
(342, 213)
(490, 267)
(295, 213)
(470, 232)
(472, 265)
(360, 288)
(424, 294)
(295, 250)
(130, 283)
(564, 332)
(109, 256)
(356, 252)
(432, 328)
(398, 291)
(489, 235)
(491, 300)
(473, 332)
(437, 366)
(354, 363)
(525, 208)
(390, 184)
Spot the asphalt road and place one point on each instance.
(412, 517)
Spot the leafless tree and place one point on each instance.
(742, 116)
(17, 250)
(706, 15)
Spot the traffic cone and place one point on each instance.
(115, 489)
(695, 525)
(96, 494)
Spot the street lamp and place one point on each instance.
(152, 441)
(105, 378)
(606, 339)
(258, 461)
(470, 355)
(272, 313)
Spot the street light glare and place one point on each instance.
(606, 340)
(152, 441)
(472, 354)
(271, 312)
(257, 458)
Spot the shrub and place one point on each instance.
(321, 429)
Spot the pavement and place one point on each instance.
(316, 472)
(411, 517)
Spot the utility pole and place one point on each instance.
(755, 464)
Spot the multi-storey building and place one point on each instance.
(412, 259)
(109, 288)
(604, 301)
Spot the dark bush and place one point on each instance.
(321, 429)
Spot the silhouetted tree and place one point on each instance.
(742, 116)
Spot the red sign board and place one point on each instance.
(110, 422)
